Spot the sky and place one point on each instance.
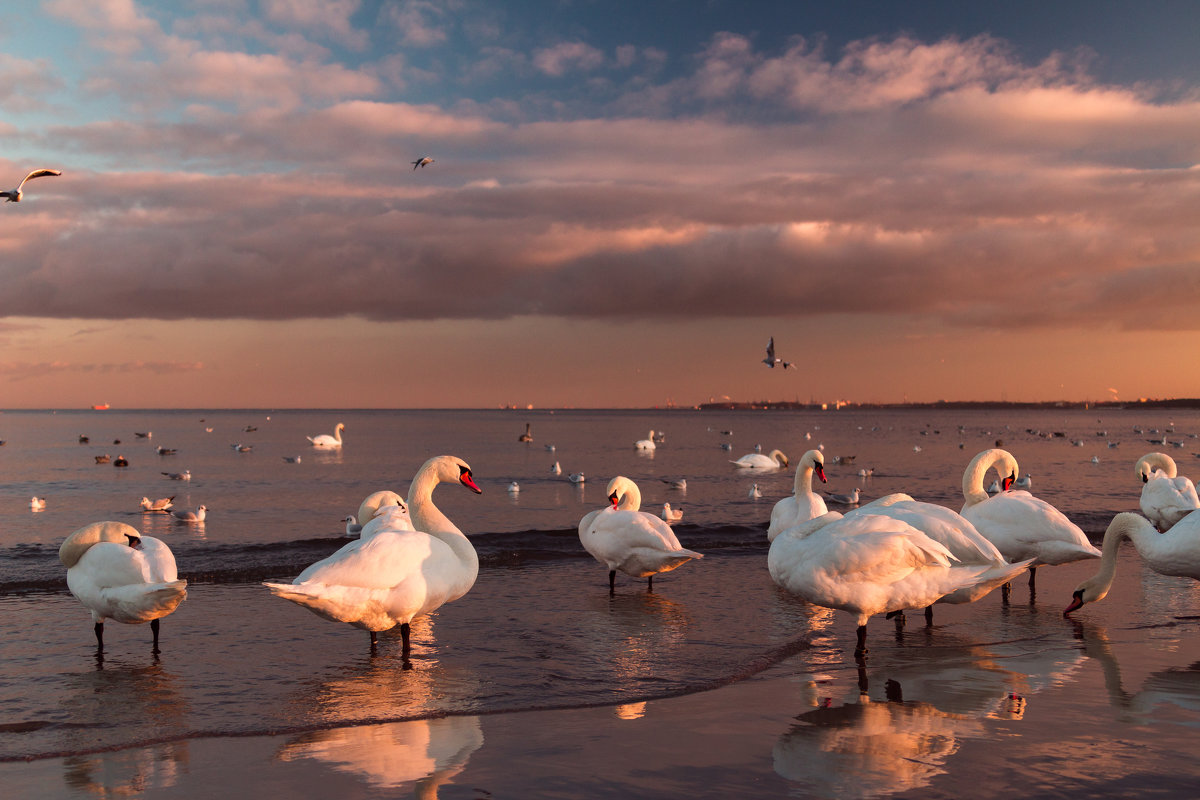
(919, 201)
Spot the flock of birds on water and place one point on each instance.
(887, 556)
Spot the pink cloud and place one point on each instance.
(562, 58)
(327, 17)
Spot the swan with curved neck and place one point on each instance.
(1021, 526)
(773, 460)
(119, 574)
(325, 440)
(1166, 497)
(645, 444)
(393, 573)
(624, 538)
(1176, 552)
(804, 504)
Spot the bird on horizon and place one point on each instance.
(15, 195)
(422, 161)
(771, 360)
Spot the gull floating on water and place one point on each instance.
(755, 492)
(37, 504)
(186, 475)
(844, 499)
(577, 477)
(514, 488)
(190, 516)
(556, 469)
(422, 161)
(15, 195)
(671, 514)
(292, 459)
(161, 504)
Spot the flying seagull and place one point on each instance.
(15, 195)
(771, 360)
(420, 162)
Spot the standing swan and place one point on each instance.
(1020, 525)
(1176, 552)
(865, 564)
(119, 574)
(1166, 499)
(804, 504)
(623, 538)
(773, 460)
(390, 575)
(325, 440)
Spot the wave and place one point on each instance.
(36, 568)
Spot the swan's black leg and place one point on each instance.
(154, 630)
(928, 615)
(405, 644)
(99, 629)
(612, 581)
(861, 649)
(1005, 590)
(1032, 578)
(650, 584)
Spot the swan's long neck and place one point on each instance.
(337, 434)
(425, 515)
(804, 476)
(973, 491)
(1152, 461)
(1124, 526)
(631, 496)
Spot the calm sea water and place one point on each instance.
(539, 629)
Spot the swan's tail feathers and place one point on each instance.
(335, 603)
(145, 602)
(990, 578)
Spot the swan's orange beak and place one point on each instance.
(1008, 482)
(612, 498)
(1076, 603)
(821, 473)
(465, 480)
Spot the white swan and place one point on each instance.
(865, 564)
(967, 546)
(804, 504)
(375, 502)
(671, 514)
(387, 576)
(161, 504)
(15, 195)
(773, 460)
(1176, 552)
(1020, 525)
(119, 574)
(1167, 497)
(325, 440)
(37, 503)
(645, 444)
(623, 538)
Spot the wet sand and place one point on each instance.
(991, 701)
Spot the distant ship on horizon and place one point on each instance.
(101, 407)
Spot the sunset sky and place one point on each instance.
(922, 201)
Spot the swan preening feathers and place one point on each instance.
(393, 573)
(1167, 496)
(628, 540)
(119, 574)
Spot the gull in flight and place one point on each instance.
(15, 195)
(771, 360)
(420, 162)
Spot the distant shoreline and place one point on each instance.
(953, 405)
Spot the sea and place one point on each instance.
(1108, 700)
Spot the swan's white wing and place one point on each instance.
(378, 562)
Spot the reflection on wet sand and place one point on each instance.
(425, 753)
(146, 698)
(127, 773)
(1175, 686)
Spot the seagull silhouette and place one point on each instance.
(422, 161)
(771, 360)
(15, 195)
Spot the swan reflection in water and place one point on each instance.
(1174, 686)
(423, 753)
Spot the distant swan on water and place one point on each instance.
(325, 440)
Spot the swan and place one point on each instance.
(624, 538)
(161, 504)
(527, 436)
(188, 517)
(645, 444)
(773, 460)
(15, 195)
(37, 503)
(375, 502)
(671, 514)
(325, 440)
(844, 499)
(804, 504)
(1176, 552)
(866, 564)
(1020, 525)
(388, 576)
(1167, 497)
(119, 574)
(956, 533)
